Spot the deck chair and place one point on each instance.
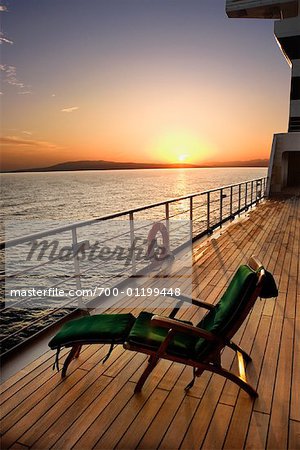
(168, 338)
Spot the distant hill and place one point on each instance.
(250, 163)
(113, 165)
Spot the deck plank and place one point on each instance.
(218, 426)
(163, 419)
(258, 431)
(294, 435)
(279, 421)
(295, 394)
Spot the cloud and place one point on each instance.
(3, 8)
(4, 39)
(14, 140)
(27, 132)
(11, 75)
(69, 110)
(12, 79)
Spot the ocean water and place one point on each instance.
(74, 196)
(35, 201)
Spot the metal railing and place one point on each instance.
(204, 211)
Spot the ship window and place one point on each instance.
(293, 175)
(295, 88)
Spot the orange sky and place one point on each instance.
(182, 85)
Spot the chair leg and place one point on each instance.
(78, 351)
(196, 373)
(74, 351)
(235, 378)
(237, 348)
(152, 361)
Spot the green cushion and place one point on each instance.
(144, 334)
(101, 328)
(228, 309)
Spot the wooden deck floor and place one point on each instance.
(94, 407)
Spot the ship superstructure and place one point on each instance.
(284, 169)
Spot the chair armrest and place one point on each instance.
(254, 263)
(175, 325)
(194, 301)
(202, 304)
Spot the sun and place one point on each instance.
(179, 147)
(182, 158)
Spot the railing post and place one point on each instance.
(246, 195)
(258, 190)
(239, 204)
(167, 217)
(208, 213)
(231, 199)
(132, 243)
(251, 193)
(191, 218)
(76, 266)
(221, 207)
(256, 183)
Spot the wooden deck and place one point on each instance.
(94, 407)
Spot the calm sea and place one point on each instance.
(82, 195)
(54, 198)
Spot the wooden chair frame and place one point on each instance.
(212, 361)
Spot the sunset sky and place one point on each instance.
(137, 80)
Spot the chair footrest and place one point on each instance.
(97, 329)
